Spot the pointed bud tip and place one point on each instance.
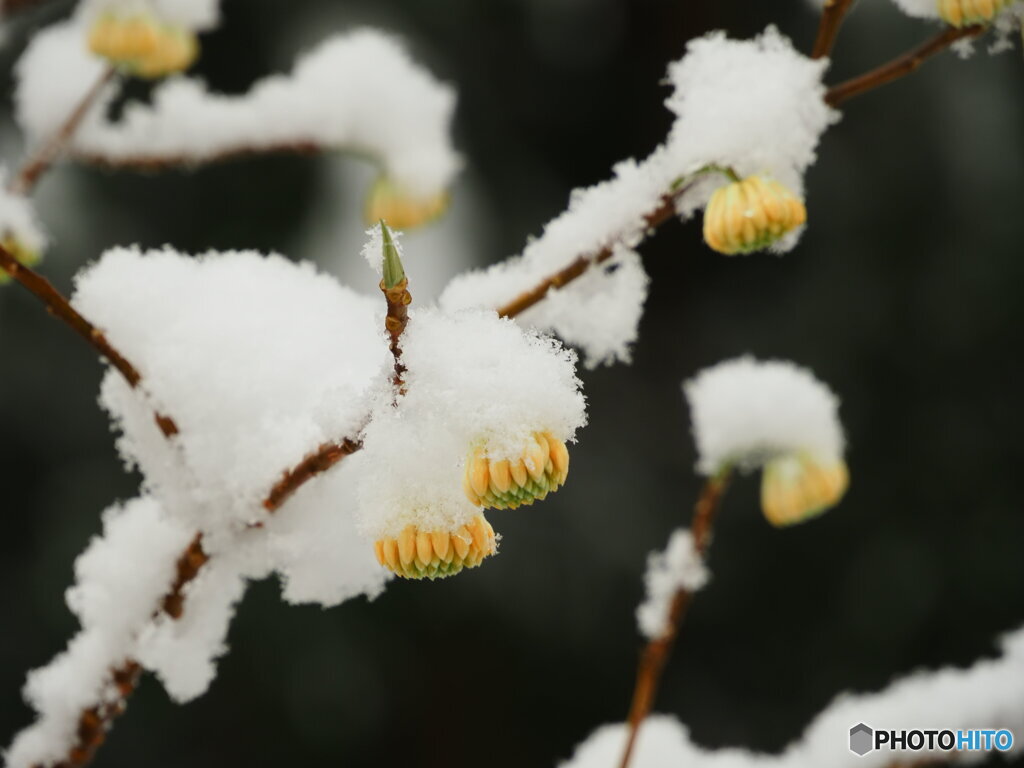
(394, 272)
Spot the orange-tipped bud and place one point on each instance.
(748, 215)
(964, 13)
(400, 210)
(797, 488)
(541, 468)
(432, 555)
(143, 46)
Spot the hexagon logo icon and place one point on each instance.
(862, 739)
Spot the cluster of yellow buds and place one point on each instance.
(143, 46)
(750, 214)
(797, 487)
(23, 255)
(401, 210)
(539, 470)
(964, 13)
(419, 554)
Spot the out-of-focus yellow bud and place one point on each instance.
(541, 468)
(417, 554)
(795, 488)
(964, 13)
(751, 214)
(387, 200)
(142, 46)
(23, 255)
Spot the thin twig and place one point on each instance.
(60, 307)
(155, 163)
(320, 460)
(48, 153)
(832, 17)
(900, 66)
(665, 211)
(655, 655)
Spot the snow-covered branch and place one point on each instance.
(358, 92)
(985, 695)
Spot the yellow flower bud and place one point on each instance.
(432, 555)
(400, 210)
(23, 255)
(142, 46)
(795, 488)
(541, 468)
(751, 214)
(964, 13)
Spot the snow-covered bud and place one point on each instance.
(24, 255)
(963, 13)
(797, 488)
(400, 209)
(538, 470)
(773, 415)
(142, 45)
(417, 554)
(751, 214)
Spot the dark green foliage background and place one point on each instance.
(904, 295)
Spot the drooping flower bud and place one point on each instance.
(143, 46)
(400, 209)
(964, 13)
(432, 555)
(751, 214)
(541, 468)
(798, 487)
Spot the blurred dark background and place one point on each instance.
(904, 295)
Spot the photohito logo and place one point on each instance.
(864, 739)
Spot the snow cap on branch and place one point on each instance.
(986, 695)
(679, 566)
(746, 412)
(120, 581)
(358, 91)
(257, 359)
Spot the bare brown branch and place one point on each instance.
(320, 460)
(832, 17)
(899, 67)
(47, 154)
(154, 163)
(524, 301)
(656, 654)
(398, 300)
(60, 307)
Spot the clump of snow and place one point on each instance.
(357, 91)
(120, 582)
(18, 218)
(757, 106)
(183, 652)
(471, 379)
(746, 412)
(198, 15)
(600, 311)
(257, 359)
(986, 695)
(680, 566)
